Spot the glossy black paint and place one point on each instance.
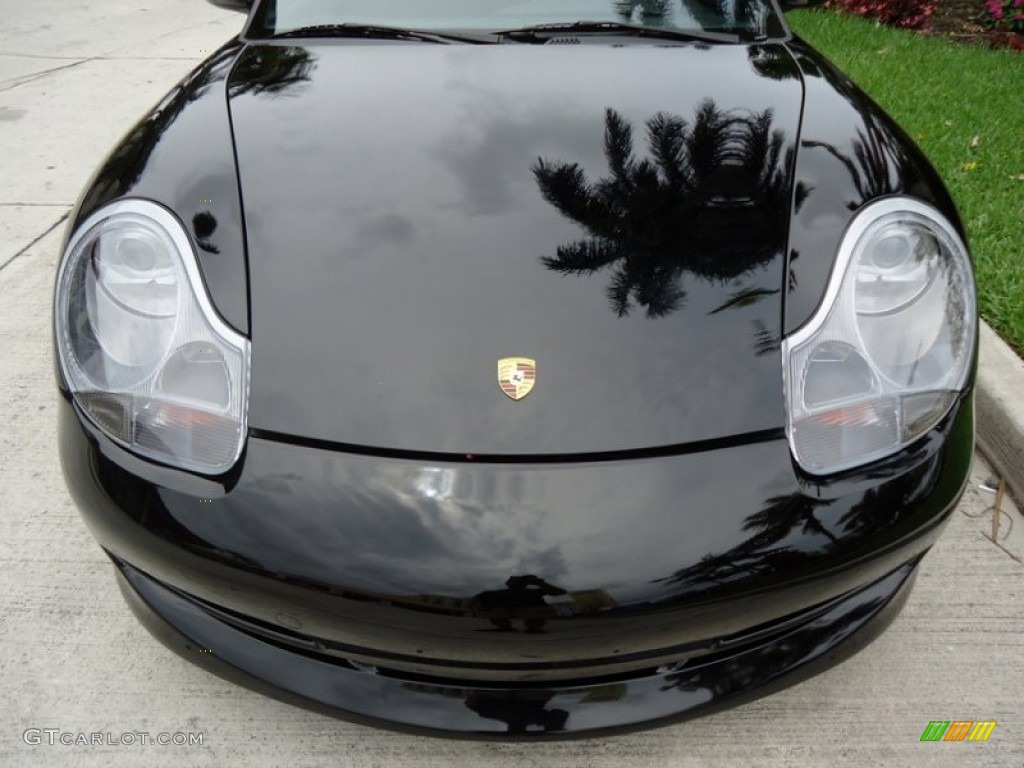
(389, 558)
(181, 155)
(627, 233)
(648, 240)
(461, 709)
(851, 152)
(233, 5)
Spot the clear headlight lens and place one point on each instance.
(129, 287)
(886, 355)
(141, 347)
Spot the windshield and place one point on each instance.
(742, 16)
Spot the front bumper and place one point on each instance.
(455, 581)
(380, 696)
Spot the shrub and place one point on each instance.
(1005, 15)
(910, 14)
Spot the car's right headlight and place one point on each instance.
(144, 353)
(891, 347)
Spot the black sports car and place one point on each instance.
(496, 367)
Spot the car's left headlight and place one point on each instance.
(144, 353)
(891, 347)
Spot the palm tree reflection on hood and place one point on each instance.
(271, 70)
(875, 164)
(712, 200)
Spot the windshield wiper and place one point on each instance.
(373, 32)
(542, 32)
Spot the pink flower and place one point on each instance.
(903, 13)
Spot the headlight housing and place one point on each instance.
(891, 347)
(144, 353)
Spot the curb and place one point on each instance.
(999, 409)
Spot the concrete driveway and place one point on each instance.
(74, 76)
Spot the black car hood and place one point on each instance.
(416, 212)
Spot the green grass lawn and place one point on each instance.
(965, 108)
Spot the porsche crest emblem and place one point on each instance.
(516, 376)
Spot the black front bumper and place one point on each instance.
(475, 598)
(381, 696)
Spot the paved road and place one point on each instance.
(73, 77)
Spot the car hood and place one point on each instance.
(414, 213)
